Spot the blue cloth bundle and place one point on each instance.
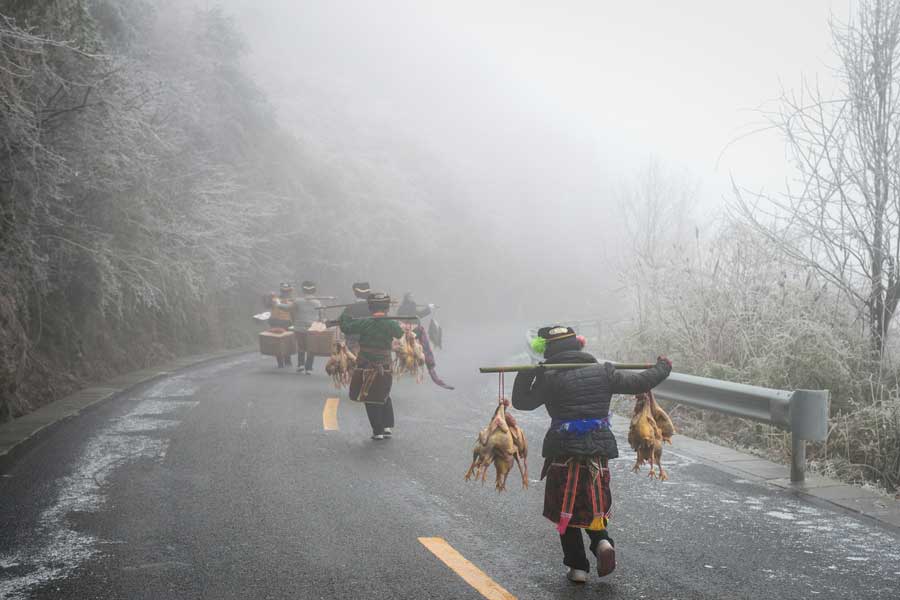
(581, 426)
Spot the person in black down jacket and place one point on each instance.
(579, 443)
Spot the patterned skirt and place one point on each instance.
(371, 383)
(577, 492)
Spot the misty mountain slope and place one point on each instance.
(148, 194)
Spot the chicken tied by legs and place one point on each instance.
(341, 365)
(501, 443)
(409, 355)
(650, 427)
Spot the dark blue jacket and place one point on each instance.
(581, 394)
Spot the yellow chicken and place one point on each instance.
(501, 443)
(341, 365)
(650, 427)
(409, 356)
(666, 428)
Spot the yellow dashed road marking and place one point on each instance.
(471, 574)
(329, 414)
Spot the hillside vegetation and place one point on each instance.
(148, 194)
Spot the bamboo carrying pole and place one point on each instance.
(334, 323)
(562, 366)
(396, 318)
(347, 305)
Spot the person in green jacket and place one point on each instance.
(372, 379)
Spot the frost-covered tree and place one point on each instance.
(841, 217)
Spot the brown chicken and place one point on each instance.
(666, 428)
(501, 443)
(650, 427)
(340, 365)
(409, 356)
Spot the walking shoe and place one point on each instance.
(387, 432)
(577, 576)
(606, 558)
(377, 436)
(300, 369)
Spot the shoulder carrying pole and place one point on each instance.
(562, 367)
(347, 305)
(335, 323)
(397, 318)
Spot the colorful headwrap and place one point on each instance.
(555, 332)
(556, 338)
(538, 344)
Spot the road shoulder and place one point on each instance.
(870, 504)
(18, 435)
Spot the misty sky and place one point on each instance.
(540, 111)
(498, 87)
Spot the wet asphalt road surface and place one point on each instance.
(220, 482)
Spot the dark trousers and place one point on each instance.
(573, 546)
(283, 361)
(380, 416)
(306, 360)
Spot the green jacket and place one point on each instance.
(375, 336)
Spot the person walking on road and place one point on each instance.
(579, 442)
(283, 314)
(307, 313)
(357, 310)
(409, 308)
(372, 379)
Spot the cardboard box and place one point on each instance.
(317, 343)
(277, 344)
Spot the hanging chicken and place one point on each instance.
(650, 427)
(409, 356)
(501, 443)
(341, 365)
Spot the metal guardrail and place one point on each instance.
(803, 413)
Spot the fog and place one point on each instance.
(537, 114)
(711, 186)
(502, 160)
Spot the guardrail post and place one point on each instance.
(809, 421)
(798, 459)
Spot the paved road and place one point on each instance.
(221, 482)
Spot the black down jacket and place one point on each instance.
(581, 394)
